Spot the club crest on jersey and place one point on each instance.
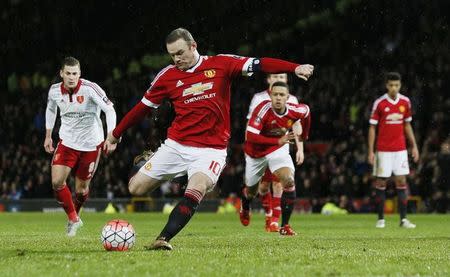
(401, 109)
(289, 123)
(80, 99)
(210, 73)
(198, 88)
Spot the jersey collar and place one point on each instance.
(392, 101)
(199, 60)
(75, 90)
(280, 115)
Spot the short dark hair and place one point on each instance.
(280, 84)
(180, 33)
(70, 61)
(393, 76)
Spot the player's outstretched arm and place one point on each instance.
(271, 65)
(135, 115)
(412, 140)
(261, 139)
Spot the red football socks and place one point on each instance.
(266, 201)
(64, 197)
(276, 208)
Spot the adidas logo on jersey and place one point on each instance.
(179, 83)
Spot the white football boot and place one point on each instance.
(380, 223)
(405, 223)
(72, 227)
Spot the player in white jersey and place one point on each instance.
(271, 204)
(80, 136)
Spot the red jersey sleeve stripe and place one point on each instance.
(253, 130)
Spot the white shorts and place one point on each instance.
(173, 159)
(255, 167)
(387, 163)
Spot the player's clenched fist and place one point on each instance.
(48, 145)
(304, 71)
(288, 138)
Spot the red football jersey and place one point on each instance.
(201, 98)
(266, 122)
(390, 116)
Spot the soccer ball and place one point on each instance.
(118, 235)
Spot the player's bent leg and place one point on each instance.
(81, 192)
(380, 197)
(286, 177)
(401, 186)
(141, 183)
(198, 185)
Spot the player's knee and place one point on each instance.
(58, 184)
(263, 187)
(400, 185)
(81, 186)
(134, 188)
(380, 184)
(288, 181)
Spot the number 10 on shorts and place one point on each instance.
(215, 168)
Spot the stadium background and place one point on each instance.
(121, 47)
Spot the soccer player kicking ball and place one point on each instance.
(81, 135)
(392, 113)
(272, 126)
(271, 205)
(199, 89)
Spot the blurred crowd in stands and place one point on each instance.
(340, 95)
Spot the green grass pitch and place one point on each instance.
(34, 244)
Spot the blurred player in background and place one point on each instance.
(80, 136)
(271, 205)
(199, 89)
(272, 126)
(392, 113)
